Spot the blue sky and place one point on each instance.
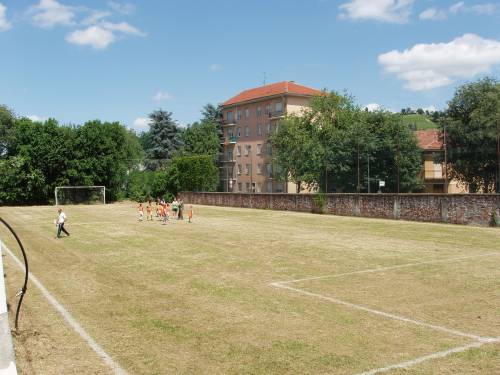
(77, 60)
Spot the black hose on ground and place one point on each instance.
(22, 292)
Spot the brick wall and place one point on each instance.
(473, 209)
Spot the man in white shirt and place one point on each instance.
(60, 223)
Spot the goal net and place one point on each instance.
(80, 195)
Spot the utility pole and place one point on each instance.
(357, 187)
(368, 172)
(398, 160)
(445, 159)
(498, 156)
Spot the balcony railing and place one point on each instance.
(276, 114)
(231, 122)
(229, 140)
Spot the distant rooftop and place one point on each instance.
(279, 88)
(429, 139)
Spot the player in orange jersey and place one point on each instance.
(149, 212)
(190, 214)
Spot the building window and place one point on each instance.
(259, 130)
(269, 149)
(248, 187)
(247, 169)
(238, 132)
(229, 116)
(259, 149)
(259, 168)
(240, 186)
(247, 131)
(269, 127)
(259, 111)
(259, 187)
(238, 115)
(247, 149)
(229, 155)
(239, 168)
(268, 109)
(269, 186)
(278, 107)
(247, 113)
(279, 187)
(229, 133)
(238, 150)
(269, 170)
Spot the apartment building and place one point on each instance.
(433, 172)
(248, 120)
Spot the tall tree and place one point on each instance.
(211, 113)
(472, 125)
(201, 138)
(164, 139)
(330, 145)
(7, 119)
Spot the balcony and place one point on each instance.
(231, 122)
(276, 114)
(229, 140)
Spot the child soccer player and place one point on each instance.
(190, 214)
(140, 212)
(160, 211)
(165, 215)
(149, 212)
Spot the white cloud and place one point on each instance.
(395, 11)
(4, 24)
(432, 14)
(215, 67)
(123, 27)
(430, 109)
(455, 8)
(123, 8)
(36, 118)
(479, 9)
(162, 96)
(95, 17)
(427, 66)
(373, 107)
(488, 8)
(141, 123)
(100, 36)
(49, 13)
(95, 36)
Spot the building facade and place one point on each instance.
(248, 120)
(433, 172)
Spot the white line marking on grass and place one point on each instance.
(384, 314)
(428, 357)
(72, 321)
(388, 268)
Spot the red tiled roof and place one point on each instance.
(429, 139)
(285, 87)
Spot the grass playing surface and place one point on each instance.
(199, 298)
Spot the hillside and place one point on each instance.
(418, 122)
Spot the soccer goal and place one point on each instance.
(80, 195)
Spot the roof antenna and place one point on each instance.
(265, 77)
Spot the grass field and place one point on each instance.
(243, 291)
(421, 122)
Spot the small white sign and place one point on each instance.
(381, 183)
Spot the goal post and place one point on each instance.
(80, 195)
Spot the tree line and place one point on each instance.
(35, 157)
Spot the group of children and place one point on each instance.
(164, 211)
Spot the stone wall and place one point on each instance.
(472, 209)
